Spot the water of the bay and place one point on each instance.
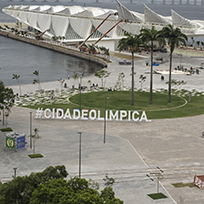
(21, 58)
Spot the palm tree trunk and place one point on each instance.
(151, 75)
(169, 97)
(39, 86)
(132, 103)
(19, 87)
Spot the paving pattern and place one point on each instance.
(132, 149)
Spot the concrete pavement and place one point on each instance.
(60, 146)
(175, 145)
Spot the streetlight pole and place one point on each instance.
(14, 169)
(158, 176)
(30, 130)
(82, 74)
(80, 94)
(2, 105)
(79, 153)
(104, 140)
(180, 60)
(3, 114)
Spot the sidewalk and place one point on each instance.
(59, 146)
(174, 145)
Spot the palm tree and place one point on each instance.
(192, 38)
(150, 36)
(37, 73)
(173, 37)
(132, 42)
(13, 30)
(63, 38)
(202, 43)
(107, 53)
(55, 38)
(142, 79)
(91, 49)
(16, 76)
(198, 43)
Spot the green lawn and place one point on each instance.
(33, 156)
(156, 196)
(7, 129)
(180, 185)
(121, 100)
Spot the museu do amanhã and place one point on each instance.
(85, 114)
(105, 27)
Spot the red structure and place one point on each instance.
(199, 181)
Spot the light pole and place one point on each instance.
(2, 111)
(82, 74)
(80, 94)
(104, 140)
(159, 175)
(14, 169)
(79, 153)
(3, 114)
(30, 130)
(180, 60)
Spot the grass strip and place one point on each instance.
(121, 100)
(180, 185)
(156, 196)
(33, 156)
(6, 129)
(124, 56)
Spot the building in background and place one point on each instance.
(75, 23)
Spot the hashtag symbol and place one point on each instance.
(39, 113)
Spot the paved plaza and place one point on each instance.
(132, 149)
(60, 146)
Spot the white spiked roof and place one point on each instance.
(125, 14)
(152, 17)
(40, 17)
(178, 20)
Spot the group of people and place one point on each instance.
(95, 85)
(68, 77)
(110, 89)
(192, 70)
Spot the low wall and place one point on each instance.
(57, 48)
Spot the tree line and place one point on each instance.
(6, 99)
(52, 186)
(167, 35)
